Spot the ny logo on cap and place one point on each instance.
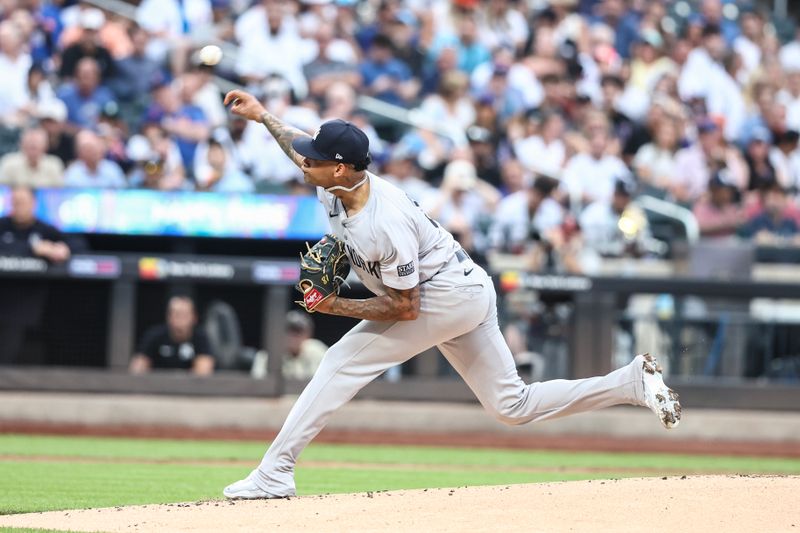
(339, 156)
(317, 133)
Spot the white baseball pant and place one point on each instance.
(458, 314)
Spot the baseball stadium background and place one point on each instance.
(634, 187)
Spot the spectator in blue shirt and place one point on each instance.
(506, 100)
(133, 76)
(385, 15)
(46, 33)
(386, 77)
(91, 169)
(185, 122)
(220, 174)
(470, 52)
(774, 225)
(711, 12)
(85, 97)
(624, 22)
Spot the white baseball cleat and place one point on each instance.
(246, 489)
(662, 400)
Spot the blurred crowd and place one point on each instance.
(536, 123)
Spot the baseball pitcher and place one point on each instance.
(428, 292)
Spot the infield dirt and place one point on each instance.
(688, 504)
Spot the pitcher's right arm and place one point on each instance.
(246, 105)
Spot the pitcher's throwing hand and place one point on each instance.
(245, 105)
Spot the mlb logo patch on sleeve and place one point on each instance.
(406, 270)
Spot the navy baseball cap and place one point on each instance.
(336, 140)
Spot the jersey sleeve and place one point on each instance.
(400, 258)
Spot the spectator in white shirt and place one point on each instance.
(39, 89)
(775, 118)
(748, 45)
(403, 171)
(790, 97)
(544, 151)
(520, 77)
(276, 49)
(762, 100)
(255, 21)
(704, 77)
(14, 65)
(654, 163)
(450, 108)
(604, 229)
(232, 138)
(91, 169)
(205, 93)
(590, 177)
(462, 203)
(785, 157)
(500, 25)
(790, 53)
(170, 23)
(526, 216)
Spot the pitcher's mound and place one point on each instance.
(697, 503)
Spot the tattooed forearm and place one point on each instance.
(284, 134)
(396, 305)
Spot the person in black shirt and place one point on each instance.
(89, 45)
(761, 171)
(613, 92)
(23, 235)
(177, 344)
(52, 115)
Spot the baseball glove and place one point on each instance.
(323, 269)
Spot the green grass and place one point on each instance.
(30, 530)
(103, 472)
(165, 450)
